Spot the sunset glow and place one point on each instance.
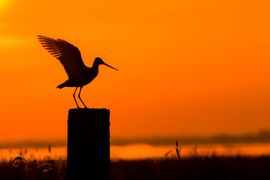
(185, 67)
(2, 2)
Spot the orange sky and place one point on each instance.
(187, 67)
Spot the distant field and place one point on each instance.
(227, 168)
(143, 151)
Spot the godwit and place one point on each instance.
(79, 75)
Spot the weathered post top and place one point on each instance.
(85, 113)
(88, 144)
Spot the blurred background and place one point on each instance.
(187, 68)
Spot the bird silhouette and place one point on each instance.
(69, 56)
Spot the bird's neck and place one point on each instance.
(95, 66)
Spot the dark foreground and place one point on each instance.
(223, 168)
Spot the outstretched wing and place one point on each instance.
(66, 53)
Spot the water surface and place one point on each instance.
(142, 151)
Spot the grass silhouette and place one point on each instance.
(196, 167)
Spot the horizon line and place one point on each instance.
(259, 137)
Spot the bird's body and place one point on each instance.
(85, 78)
(79, 75)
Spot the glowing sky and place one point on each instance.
(187, 67)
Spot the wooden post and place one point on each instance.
(88, 154)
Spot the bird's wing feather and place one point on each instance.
(66, 53)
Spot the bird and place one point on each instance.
(69, 56)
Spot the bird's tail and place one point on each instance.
(60, 86)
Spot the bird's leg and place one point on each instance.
(79, 96)
(75, 98)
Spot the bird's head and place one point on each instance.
(99, 61)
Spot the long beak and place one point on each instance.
(110, 66)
